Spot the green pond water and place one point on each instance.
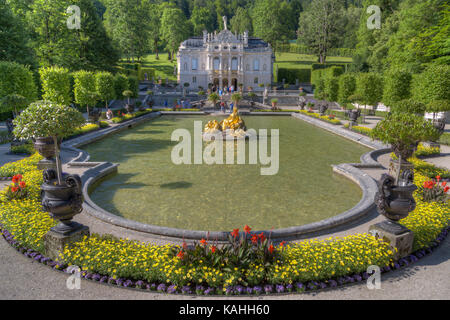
(150, 189)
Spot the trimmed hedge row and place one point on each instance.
(291, 75)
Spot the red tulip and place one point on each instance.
(235, 233)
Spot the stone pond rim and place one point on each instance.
(352, 171)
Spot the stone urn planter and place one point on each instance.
(395, 202)
(63, 201)
(353, 115)
(45, 146)
(439, 124)
(322, 109)
(129, 108)
(94, 115)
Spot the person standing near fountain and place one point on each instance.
(231, 107)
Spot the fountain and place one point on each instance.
(232, 127)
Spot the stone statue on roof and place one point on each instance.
(225, 20)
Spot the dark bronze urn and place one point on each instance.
(63, 201)
(396, 201)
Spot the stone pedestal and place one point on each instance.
(56, 241)
(397, 235)
(393, 167)
(45, 164)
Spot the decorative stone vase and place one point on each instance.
(129, 108)
(353, 115)
(439, 124)
(322, 109)
(94, 115)
(45, 146)
(395, 202)
(63, 202)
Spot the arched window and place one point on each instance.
(234, 64)
(185, 66)
(216, 63)
(256, 65)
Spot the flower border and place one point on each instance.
(199, 290)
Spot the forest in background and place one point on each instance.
(413, 34)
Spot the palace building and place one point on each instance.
(225, 59)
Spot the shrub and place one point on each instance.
(84, 88)
(291, 75)
(331, 87)
(369, 87)
(104, 84)
(347, 87)
(133, 86)
(404, 131)
(56, 85)
(150, 73)
(408, 106)
(397, 87)
(17, 79)
(120, 85)
(432, 84)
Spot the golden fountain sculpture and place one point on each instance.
(233, 126)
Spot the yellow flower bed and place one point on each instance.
(310, 260)
(360, 129)
(318, 116)
(21, 166)
(426, 151)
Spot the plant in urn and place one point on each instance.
(60, 193)
(395, 199)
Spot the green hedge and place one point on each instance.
(291, 75)
(318, 66)
(150, 73)
(397, 87)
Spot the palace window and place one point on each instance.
(234, 64)
(185, 66)
(256, 80)
(256, 65)
(194, 64)
(194, 79)
(216, 63)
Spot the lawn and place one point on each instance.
(163, 67)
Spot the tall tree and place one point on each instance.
(320, 26)
(241, 21)
(13, 37)
(173, 29)
(127, 22)
(268, 21)
(87, 47)
(201, 19)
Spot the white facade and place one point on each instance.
(225, 59)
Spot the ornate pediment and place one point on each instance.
(227, 36)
